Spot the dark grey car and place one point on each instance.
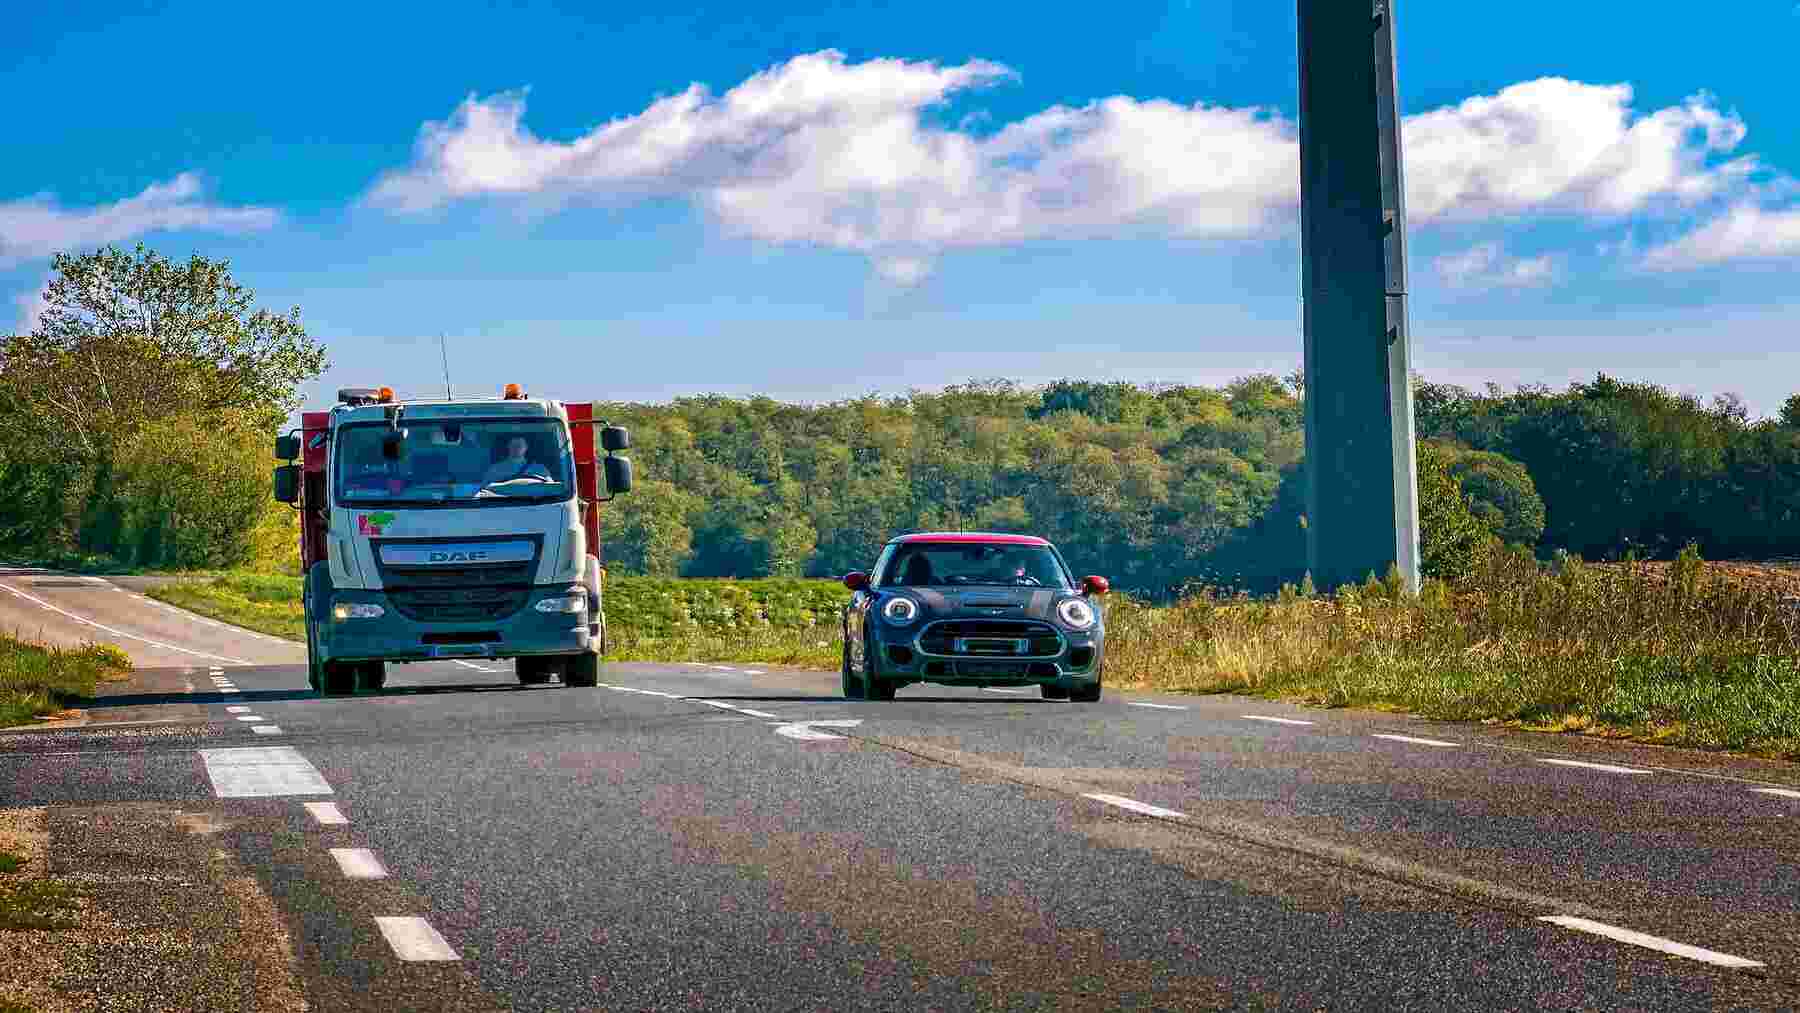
(970, 609)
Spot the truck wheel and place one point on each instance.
(371, 676)
(314, 676)
(582, 670)
(532, 671)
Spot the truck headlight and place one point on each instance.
(1074, 612)
(900, 611)
(570, 604)
(344, 611)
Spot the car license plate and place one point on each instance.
(979, 645)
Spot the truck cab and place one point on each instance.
(435, 530)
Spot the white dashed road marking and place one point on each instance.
(734, 707)
(327, 813)
(359, 863)
(260, 772)
(1279, 721)
(1649, 942)
(237, 710)
(266, 729)
(1135, 806)
(1416, 742)
(248, 717)
(415, 939)
(805, 732)
(1609, 768)
(1157, 706)
(1783, 792)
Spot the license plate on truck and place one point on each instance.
(460, 651)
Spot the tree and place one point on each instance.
(1500, 492)
(1451, 538)
(647, 532)
(1790, 412)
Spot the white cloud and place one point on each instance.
(35, 227)
(821, 151)
(1559, 146)
(1488, 266)
(31, 306)
(1746, 232)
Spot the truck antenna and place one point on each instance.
(444, 351)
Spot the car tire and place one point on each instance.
(1054, 692)
(582, 671)
(532, 671)
(874, 687)
(1089, 694)
(852, 683)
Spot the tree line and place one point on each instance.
(136, 423)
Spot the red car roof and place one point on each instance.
(971, 536)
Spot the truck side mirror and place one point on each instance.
(618, 475)
(615, 438)
(287, 448)
(287, 483)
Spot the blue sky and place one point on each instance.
(886, 196)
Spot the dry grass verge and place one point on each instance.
(36, 680)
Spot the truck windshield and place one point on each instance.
(929, 564)
(462, 462)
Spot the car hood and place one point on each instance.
(989, 602)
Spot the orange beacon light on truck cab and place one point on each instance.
(514, 392)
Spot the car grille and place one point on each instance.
(991, 638)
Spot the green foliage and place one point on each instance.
(1500, 492)
(38, 680)
(1790, 412)
(1452, 540)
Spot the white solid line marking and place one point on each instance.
(358, 863)
(1609, 768)
(117, 633)
(758, 714)
(415, 939)
(328, 814)
(229, 689)
(1158, 706)
(1137, 807)
(753, 671)
(1416, 742)
(266, 729)
(262, 771)
(1649, 941)
(1279, 721)
(997, 689)
(1783, 792)
(248, 717)
(240, 709)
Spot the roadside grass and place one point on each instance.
(1681, 653)
(37, 680)
(27, 904)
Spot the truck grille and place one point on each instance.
(991, 638)
(458, 604)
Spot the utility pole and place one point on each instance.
(1362, 488)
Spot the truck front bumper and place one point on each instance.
(392, 636)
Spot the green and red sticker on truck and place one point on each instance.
(373, 524)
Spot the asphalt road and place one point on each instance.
(719, 837)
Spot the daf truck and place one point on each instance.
(453, 529)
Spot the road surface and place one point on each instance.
(723, 837)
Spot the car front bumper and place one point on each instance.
(393, 636)
(1077, 664)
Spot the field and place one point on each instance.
(1685, 653)
(37, 681)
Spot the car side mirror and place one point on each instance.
(858, 581)
(1095, 585)
(287, 483)
(287, 448)
(615, 438)
(618, 475)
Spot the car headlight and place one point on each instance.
(344, 611)
(1075, 613)
(900, 611)
(564, 603)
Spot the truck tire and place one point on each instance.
(371, 676)
(339, 678)
(533, 671)
(582, 670)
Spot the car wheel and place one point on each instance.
(1089, 694)
(1054, 692)
(532, 671)
(582, 671)
(852, 684)
(874, 687)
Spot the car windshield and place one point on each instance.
(931, 564)
(467, 462)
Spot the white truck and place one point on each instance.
(450, 529)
